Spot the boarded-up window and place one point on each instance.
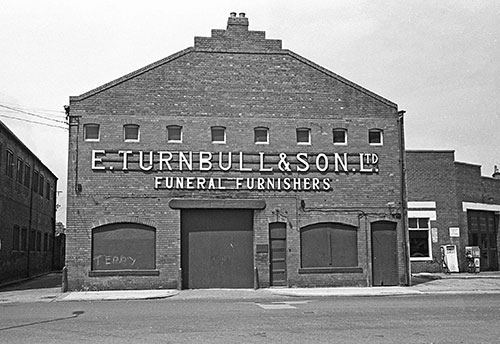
(123, 246)
(329, 245)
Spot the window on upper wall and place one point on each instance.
(9, 164)
(45, 242)
(27, 175)
(41, 185)
(24, 239)
(420, 238)
(218, 134)
(174, 133)
(91, 132)
(16, 236)
(375, 137)
(38, 241)
(131, 133)
(261, 135)
(303, 136)
(47, 190)
(19, 170)
(35, 181)
(339, 136)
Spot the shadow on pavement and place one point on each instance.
(51, 280)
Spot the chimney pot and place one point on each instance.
(242, 15)
(232, 14)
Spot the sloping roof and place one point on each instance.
(237, 39)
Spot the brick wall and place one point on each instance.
(239, 80)
(431, 177)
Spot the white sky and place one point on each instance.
(438, 60)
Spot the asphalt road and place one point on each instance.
(426, 319)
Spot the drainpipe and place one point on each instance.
(404, 208)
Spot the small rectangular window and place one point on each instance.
(38, 241)
(35, 181)
(375, 137)
(16, 238)
(19, 170)
(303, 136)
(131, 133)
(261, 135)
(218, 134)
(91, 132)
(339, 136)
(32, 240)
(9, 164)
(47, 190)
(41, 186)
(174, 133)
(45, 242)
(24, 239)
(27, 175)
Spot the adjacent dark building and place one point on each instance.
(27, 211)
(235, 163)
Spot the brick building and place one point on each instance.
(450, 203)
(27, 211)
(235, 163)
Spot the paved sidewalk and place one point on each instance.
(423, 284)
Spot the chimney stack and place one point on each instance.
(239, 22)
(496, 173)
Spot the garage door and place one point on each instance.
(217, 248)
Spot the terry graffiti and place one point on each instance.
(110, 261)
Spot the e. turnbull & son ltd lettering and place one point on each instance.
(226, 162)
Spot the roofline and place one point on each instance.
(21, 143)
(131, 75)
(429, 151)
(339, 78)
(467, 164)
(192, 49)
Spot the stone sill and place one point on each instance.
(103, 273)
(346, 270)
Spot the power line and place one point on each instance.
(36, 122)
(31, 114)
(60, 113)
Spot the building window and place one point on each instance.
(124, 246)
(47, 190)
(41, 185)
(27, 175)
(218, 134)
(16, 238)
(9, 164)
(327, 245)
(24, 239)
(375, 137)
(35, 180)
(420, 238)
(91, 132)
(261, 135)
(174, 133)
(339, 136)
(38, 241)
(131, 133)
(19, 170)
(32, 240)
(45, 242)
(303, 136)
